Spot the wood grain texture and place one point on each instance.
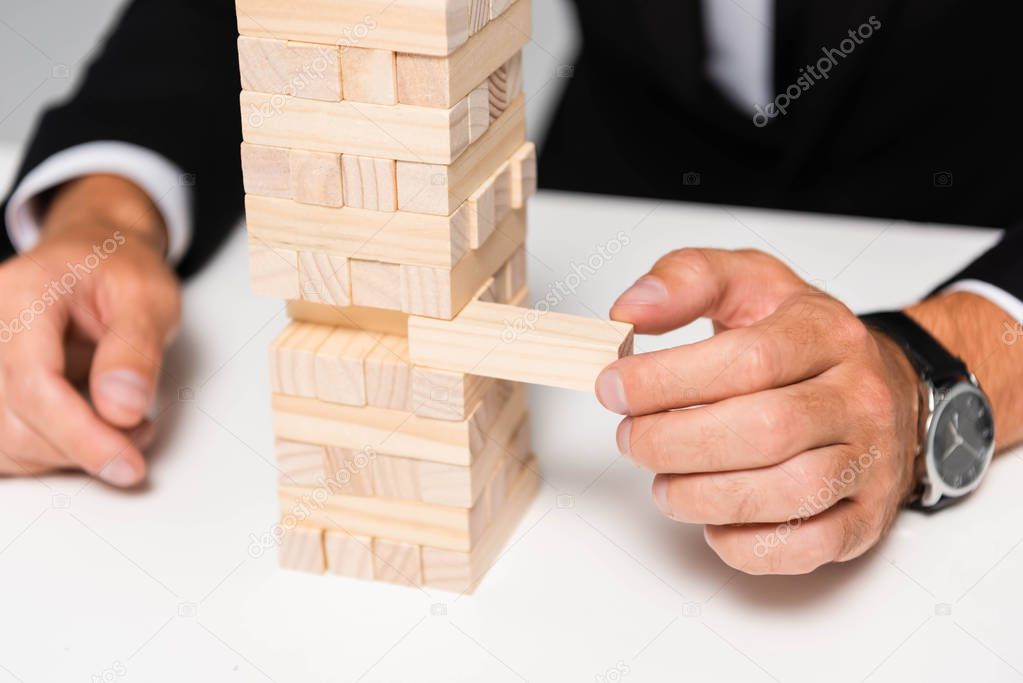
(505, 85)
(479, 15)
(522, 345)
(524, 175)
(266, 170)
(397, 562)
(442, 81)
(368, 75)
(273, 271)
(503, 192)
(370, 183)
(348, 555)
(479, 112)
(376, 285)
(445, 395)
(421, 134)
(280, 67)
(440, 189)
(389, 374)
(432, 27)
(355, 317)
(482, 213)
(301, 549)
(316, 178)
(324, 278)
(341, 366)
(350, 471)
(299, 463)
(293, 360)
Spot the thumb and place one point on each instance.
(129, 352)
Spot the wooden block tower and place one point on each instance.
(386, 175)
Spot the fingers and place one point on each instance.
(25, 452)
(757, 430)
(734, 287)
(806, 336)
(799, 488)
(799, 546)
(126, 364)
(44, 400)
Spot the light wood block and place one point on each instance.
(273, 271)
(316, 178)
(397, 562)
(432, 27)
(522, 345)
(497, 7)
(341, 366)
(266, 170)
(348, 555)
(479, 15)
(389, 375)
(524, 175)
(368, 75)
(482, 213)
(479, 112)
(377, 285)
(370, 183)
(503, 192)
(355, 317)
(299, 463)
(324, 278)
(400, 237)
(301, 549)
(461, 571)
(280, 67)
(442, 81)
(440, 189)
(293, 360)
(512, 278)
(396, 477)
(445, 395)
(421, 134)
(351, 472)
(505, 85)
(388, 432)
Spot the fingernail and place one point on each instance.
(126, 388)
(119, 472)
(648, 291)
(623, 435)
(611, 391)
(143, 435)
(661, 495)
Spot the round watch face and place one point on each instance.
(963, 436)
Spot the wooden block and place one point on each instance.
(301, 549)
(482, 214)
(479, 112)
(522, 345)
(503, 192)
(273, 271)
(389, 375)
(421, 134)
(497, 7)
(440, 189)
(356, 317)
(341, 366)
(524, 175)
(431, 27)
(266, 170)
(293, 360)
(514, 273)
(269, 65)
(396, 477)
(505, 85)
(479, 15)
(370, 183)
(442, 81)
(368, 75)
(397, 562)
(351, 472)
(389, 432)
(324, 278)
(316, 178)
(348, 555)
(445, 395)
(399, 237)
(299, 463)
(377, 285)
(461, 571)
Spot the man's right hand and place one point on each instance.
(93, 303)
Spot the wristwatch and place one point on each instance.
(957, 429)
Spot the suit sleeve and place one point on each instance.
(166, 80)
(997, 272)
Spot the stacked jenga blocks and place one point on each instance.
(387, 174)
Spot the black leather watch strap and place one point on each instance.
(932, 360)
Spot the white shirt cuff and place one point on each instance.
(996, 295)
(167, 186)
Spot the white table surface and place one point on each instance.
(160, 585)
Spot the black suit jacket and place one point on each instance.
(915, 123)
